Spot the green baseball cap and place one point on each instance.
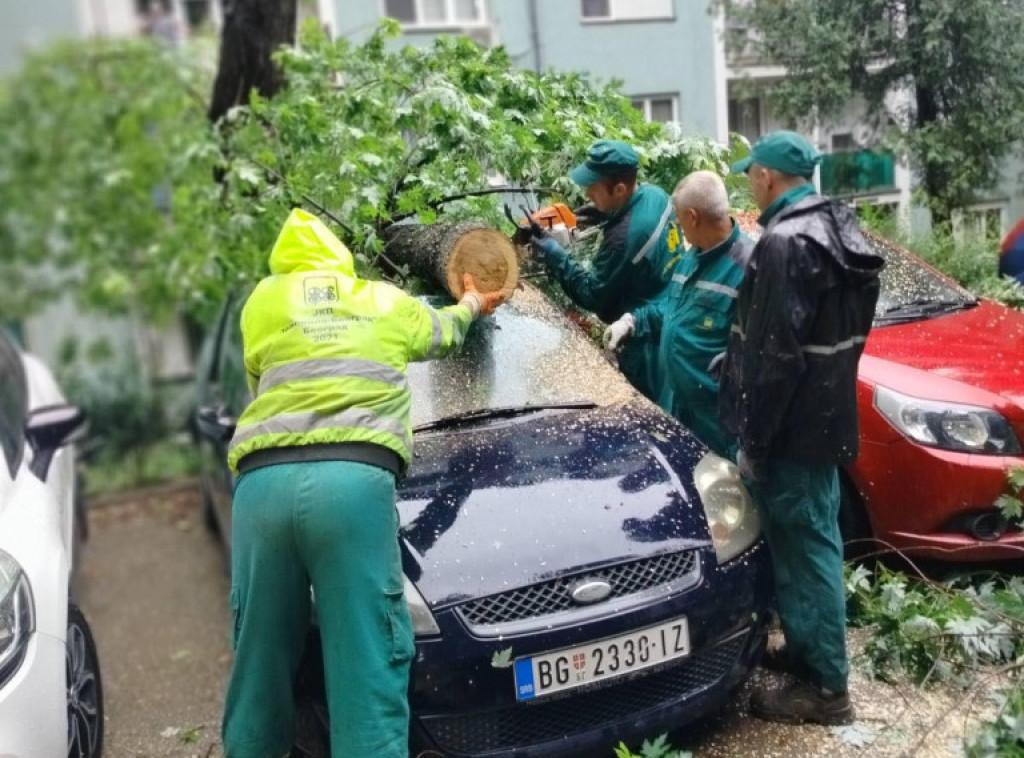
(606, 157)
(783, 151)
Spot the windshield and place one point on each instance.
(528, 353)
(907, 283)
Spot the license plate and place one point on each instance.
(541, 675)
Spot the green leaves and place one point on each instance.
(114, 175)
(946, 86)
(658, 748)
(502, 659)
(931, 630)
(1012, 503)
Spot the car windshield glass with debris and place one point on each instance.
(527, 354)
(910, 289)
(908, 285)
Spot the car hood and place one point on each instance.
(982, 347)
(515, 502)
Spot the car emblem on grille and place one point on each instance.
(589, 591)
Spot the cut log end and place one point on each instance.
(489, 256)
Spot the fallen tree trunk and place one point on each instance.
(444, 252)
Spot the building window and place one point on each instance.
(745, 118)
(661, 108)
(160, 18)
(626, 10)
(843, 142)
(979, 223)
(436, 13)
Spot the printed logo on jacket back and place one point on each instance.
(320, 289)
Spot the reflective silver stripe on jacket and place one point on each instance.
(833, 349)
(436, 334)
(680, 278)
(657, 234)
(300, 423)
(328, 368)
(815, 349)
(719, 288)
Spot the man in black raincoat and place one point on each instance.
(788, 393)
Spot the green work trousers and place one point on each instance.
(800, 517)
(700, 416)
(638, 362)
(331, 525)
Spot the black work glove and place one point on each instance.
(588, 215)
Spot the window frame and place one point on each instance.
(616, 17)
(761, 115)
(962, 222)
(849, 148)
(450, 22)
(646, 109)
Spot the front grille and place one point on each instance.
(522, 725)
(554, 596)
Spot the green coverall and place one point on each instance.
(326, 354)
(800, 508)
(332, 525)
(627, 271)
(691, 322)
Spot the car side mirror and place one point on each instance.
(214, 422)
(47, 430)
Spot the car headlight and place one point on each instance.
(730, 510)
(17, 616)
(949, 426)
(422, 618)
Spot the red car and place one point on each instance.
(941, 396)
(941, 403)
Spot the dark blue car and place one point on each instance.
(580, 569)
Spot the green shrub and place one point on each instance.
(126, 416)
(164, 461)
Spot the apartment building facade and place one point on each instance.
(670, 55)
(675, 64)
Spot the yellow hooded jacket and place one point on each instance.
(326, 352)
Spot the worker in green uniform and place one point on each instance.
(789, 394)
(628, 269)
(691, 320)
(318, 450)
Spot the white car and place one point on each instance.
(51, 701)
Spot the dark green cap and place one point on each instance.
(606, 157)
(783, 151)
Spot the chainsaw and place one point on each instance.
(567, 227)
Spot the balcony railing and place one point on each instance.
(742, 46)
(857, 172)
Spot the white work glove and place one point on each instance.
(716, 365)
(619, 332)
(472, 301)
(750, 468)
(479, 302)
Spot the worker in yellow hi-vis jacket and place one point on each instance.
(318, 451)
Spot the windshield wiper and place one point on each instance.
(927, 305)
(480, 414)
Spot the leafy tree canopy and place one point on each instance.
(946, 76)
(113, 181)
